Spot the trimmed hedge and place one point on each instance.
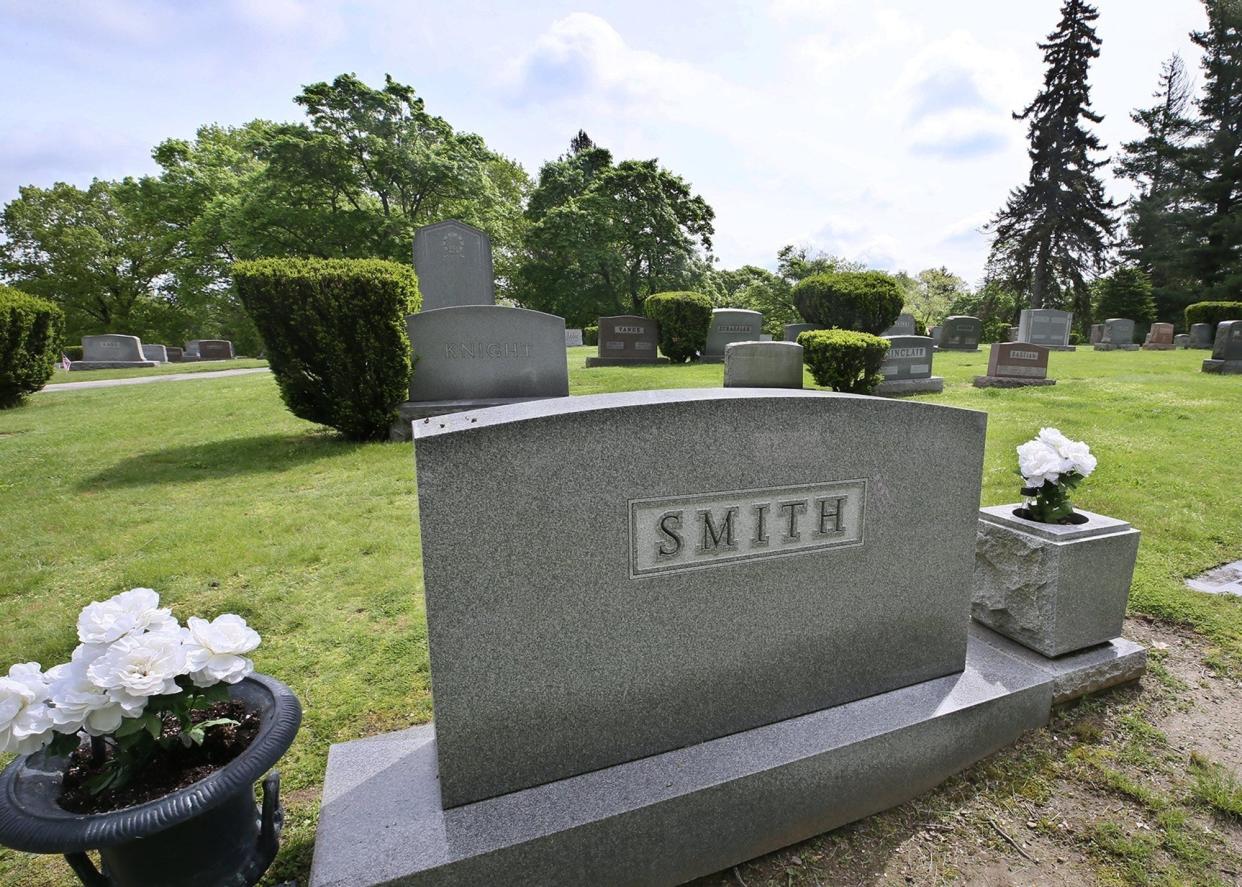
(844, 360)
(73, 352)
(683, 318)
(31, 332)
(865, 301)
(334, 334)
(590, 335)
(1213, 313)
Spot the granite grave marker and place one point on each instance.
(960, 333)
(1046, 326)
(1159, 338)
(453, 262)
(1226, 350)
(793, 330)
(730, 325)
(1016, 365)
(907, 367)
(111, 351)
(904, 325)
(627, 340)
(1118, 335)
(763, 365)
(1201, 335)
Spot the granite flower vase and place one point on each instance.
(1053, 587)
(209, 833)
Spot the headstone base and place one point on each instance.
(1061, 347)
(672, 817)
(112, 364)
(413, 410)
(710, 358)
(899, 387)
(958, 350)
(1117, 347)
(616, 362)
(1158, 346)
(1009, 382)
(1227, 367)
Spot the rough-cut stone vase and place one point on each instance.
(1053, 588)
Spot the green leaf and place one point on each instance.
(129, 726)
(64, 744)
(218, 722)
(155, 725)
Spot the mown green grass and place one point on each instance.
(164, 369)
(214, 495)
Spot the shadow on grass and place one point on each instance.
(219, 459)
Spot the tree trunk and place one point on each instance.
(1039, 285)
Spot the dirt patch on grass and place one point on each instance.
(1102, 795)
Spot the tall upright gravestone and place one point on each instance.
(1118, 335)
(1159, 338)
(907, 367)
(730, 325)
(1226, 350)
(1201, 335)
(960, 333)
(469, 352)
(701, 661)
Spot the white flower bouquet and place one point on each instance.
(137, 682)
(1051, 466)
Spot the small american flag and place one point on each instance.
(65, 362)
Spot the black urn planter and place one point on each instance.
(209, 834)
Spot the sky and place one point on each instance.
(878, 131)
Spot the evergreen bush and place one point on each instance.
(31, 330)
(683, 318)
(334, 335)
(844, 360)
(1213, 313)
(864, 301)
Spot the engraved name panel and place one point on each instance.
(696, 532)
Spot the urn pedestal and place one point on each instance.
(1054, 588)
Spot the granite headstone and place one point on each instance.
(573, 338)
(793, 330)
(907, 367)
(1097, 333)
(960, 333)
(158, 353)
(1118, 335)
(1016, 365)
(1182, 340)
(209, 349)
(730, 325)
(1201, 335)
(1046, 326)
(111, 351)
(763, 365)
(1159, 338)
(627, 340)
(453, 262)
(1226, 350)
(904, 325)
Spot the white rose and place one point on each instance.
(130, 612)
(215, 650)
(1074, 452)
(25, 722)
(138, 666)
(79, 704)
(1038, 462)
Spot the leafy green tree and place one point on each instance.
(602, 237)
(995, 304)
(1157, 230)
(1054, 230)
(1127, 292)
(96, 253)
(929, 295)
(1216, 160)
(755, 289)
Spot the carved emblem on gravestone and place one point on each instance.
(454, 246)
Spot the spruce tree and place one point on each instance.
(1054, 230)
(1157, 233)
(1217, 161)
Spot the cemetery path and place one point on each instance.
(142, 380)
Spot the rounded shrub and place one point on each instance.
(683, 318)
(1213, 313)
(590, 335)
(865, 301)
(334, 335)
(844, 360)
(31, 330)
(73, 352)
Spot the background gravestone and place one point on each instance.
(904, 325)
(1118, 335)
(1226, 350)
(960, 333)
(934, 335)
(1159, 338)
(792, 330)
(453, 262)
(573, 338)
(477, 353)
(111, 351)
(158, 353)
(763, 365)
(730, 325)
(1201, 335)
(1182, 340)
(1097, 333)
(1016, 365)
(907, 367)
(1046, 326)
(627, 340)
(209, 349)
(175, 354)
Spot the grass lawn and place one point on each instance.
(218, 498)
(164, 369)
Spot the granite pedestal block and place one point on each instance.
(903, 387)
(453, 262)
(763, 365)
(824, 553)
(1104, 346)
(1051, 587)
(730, 325)
(688, 812)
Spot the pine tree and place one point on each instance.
(1217, 160)
(1054, 230)
(1158, 239)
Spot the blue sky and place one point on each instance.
(875, 130)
